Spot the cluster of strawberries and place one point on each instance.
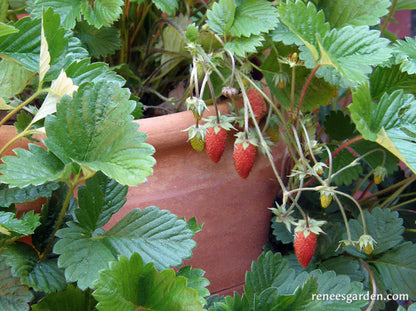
(213, 135)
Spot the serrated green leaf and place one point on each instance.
(7, 29)
(167, 6)
(94, 129)
(13, 78)
(50, 214)
(354, 12)
(352, 50)
(385, 226)
(85, 71)
(99, 199)
(14, 295)
(339, 126)
(253, 17)
(9, 196)
(270, 270)
(196, 281)
(220, 17)
(68, 10)
(282, 34)
(23, 46)
(319, 92)
(130, 284)
(342, 265)
(390, 122)
(235, 303)
(405, 5)
(70, 299)
(281, 233)
(99, 42)
(349, 175)
(25, 225)
(306, 23)
(398, 269)
(42, 275)
(35, 166)
(406, 54)
(388, 79)
(102, 12)
(157, 235)
(241, 46)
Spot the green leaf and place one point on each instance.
(349, 175)
(50, 214)
(235, 303)
(14, 296)
(9, 196)
(270, 270)
(7, 29)
(385, 226)
(281, 233)
(167, 6)
(390, 122)
(13, 78)
(319, 92)
(99, 42)
(84, 71)
(70, 299)
(196, 281)
(42, 275)
(406, 54)
(339, 126)
(35, 166)
(220, 17)
(25, 225)
(157, 235)
(253, 17)
(102, 12)
(343, 266)
(306, 23)
(131, 285)
(23, 46)
(241, 46)
(98, 201)
(398, 269)
(94, 129)
(352, 50)
(68, 10)
(354, 12)
(388, 79)
(405, 5)
(282, 34)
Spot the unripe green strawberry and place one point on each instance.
(379, 174)
(366, 242)
(245, 150)
(305, 245)
(197, 143)
(257, 102)
(196, 136)
(325, 198)
(215, 139)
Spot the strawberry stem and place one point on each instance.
(304, 90)
(373, 284)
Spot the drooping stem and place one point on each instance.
(292, 88)
(344, 216)
(61, 216)
(15, 138)
(356, 204)
(373, 283)
(388, 18)
(305, 89)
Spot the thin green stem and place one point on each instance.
(344, 217)
(373, 283)
(292, 89)
(346, 144)
(15, 138)
(388, 18)
(304, 90)
(356, 204)
(18, 108)
(59, 220)
(402, 204)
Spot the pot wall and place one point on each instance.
(234, 210)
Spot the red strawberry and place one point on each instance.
(305, 247)
(257, 102)
(215, 138)
(244, 154)
(216, 135)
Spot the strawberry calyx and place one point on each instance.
(283, 216)
(379, 173)
(224, 122)
(196, 105)
(310, 226)
(366, 243)
(196, 136)
(246, 139)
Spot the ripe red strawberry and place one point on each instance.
(257, 102)
(216, 135)
(215, 138)
(244, 154)
(305, 247)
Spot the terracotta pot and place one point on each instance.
(233, 210)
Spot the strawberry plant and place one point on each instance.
(324, 79)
